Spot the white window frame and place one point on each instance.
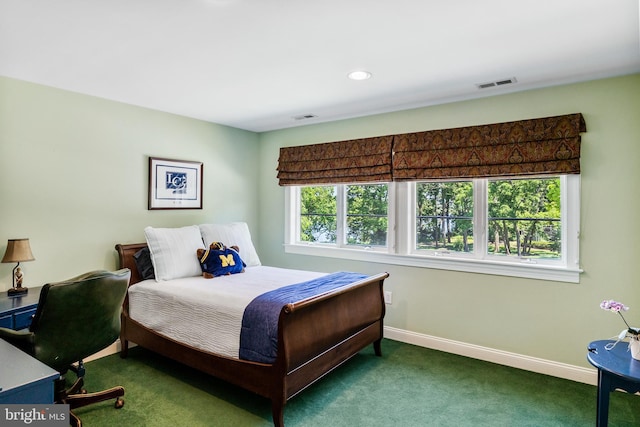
(401, 245)
(292, 220)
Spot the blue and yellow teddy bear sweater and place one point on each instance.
(219, 260)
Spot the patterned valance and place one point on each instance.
(355, 161)
(546, 146)
(549, 145)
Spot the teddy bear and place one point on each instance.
(219, 260)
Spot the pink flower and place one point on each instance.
(612, 305)
(617, 307)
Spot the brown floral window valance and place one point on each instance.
(549, 145)
(359, 160)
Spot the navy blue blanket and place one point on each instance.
(259, 334)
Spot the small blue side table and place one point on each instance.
(616, 369)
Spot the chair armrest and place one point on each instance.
(21, 339)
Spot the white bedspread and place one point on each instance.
(206, 313)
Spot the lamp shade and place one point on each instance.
(18, 250)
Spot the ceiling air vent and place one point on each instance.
(304, 117)
(496, 83)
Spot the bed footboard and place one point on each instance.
(318, 334)
(316, 324)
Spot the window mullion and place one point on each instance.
(403, 221)
(392, 215)
(570, 217)
(480, 224)
(292, 215)
(341, 220)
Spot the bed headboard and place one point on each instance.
(126, 260)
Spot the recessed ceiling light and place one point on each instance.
(304, 117)
(359, 75)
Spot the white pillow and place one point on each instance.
(233, 234)
(174, 251)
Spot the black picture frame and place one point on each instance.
(174, 184)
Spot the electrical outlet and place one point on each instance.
(388, 297)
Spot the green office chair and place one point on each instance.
(75, 319)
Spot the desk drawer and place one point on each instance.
(22, 319)
(6, 322)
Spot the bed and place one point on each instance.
(315, 335)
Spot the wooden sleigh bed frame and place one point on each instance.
(315, 336)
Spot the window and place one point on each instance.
(496, 224)
(515, 227)
(318, 214)
(524, 218)
(367, 219)
(353, 215)
(444, 216)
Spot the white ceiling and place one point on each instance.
(255, 64)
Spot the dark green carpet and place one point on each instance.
(408, 386)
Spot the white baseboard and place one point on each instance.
(514, 360)
(112, 349)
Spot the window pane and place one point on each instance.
(524, 218)
(444, 216)
(318, 214)
(367, 220)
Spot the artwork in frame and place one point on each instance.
(175, 184)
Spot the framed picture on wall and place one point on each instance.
(174, 184)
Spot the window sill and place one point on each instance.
(500, 268)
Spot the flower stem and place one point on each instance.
(632, 331)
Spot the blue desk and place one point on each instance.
(16, 312)
(24, 379)
(616, 370)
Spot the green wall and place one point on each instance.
(74, 176)
(549, 320)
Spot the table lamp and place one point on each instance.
(18, 250)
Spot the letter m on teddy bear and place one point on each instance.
(227, 260)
